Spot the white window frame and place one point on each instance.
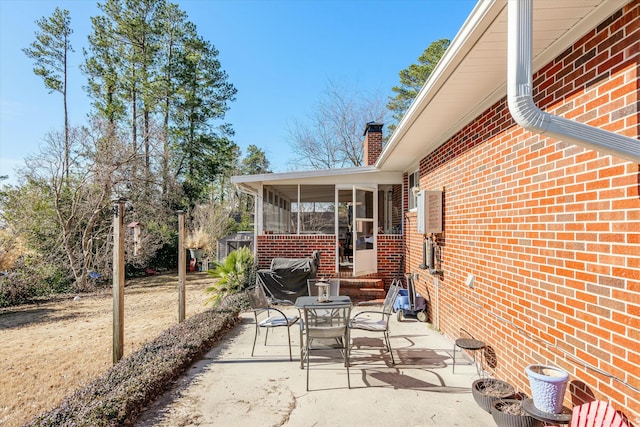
(413, 181)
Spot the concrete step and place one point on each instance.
(361, 282)
(362, 289)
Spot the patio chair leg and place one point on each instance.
(255, 337)
(454, 359)
(347, 346)
(289, 337)
(306, 355)
(348, 377)
(386, 337)
(348, 349)
(266, 334)
(301, 349)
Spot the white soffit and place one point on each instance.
(473, 76)
(366, 175)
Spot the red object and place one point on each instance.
(192, 265)
(596, 414)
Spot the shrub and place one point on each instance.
(30, 278)
(165, 257)
(116, 397)
(234, 273)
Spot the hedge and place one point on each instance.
(117, 397)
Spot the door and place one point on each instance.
(365, 207)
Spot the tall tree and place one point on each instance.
(202, 145)
(169, 82)
(255, 161)
(50, 51)
(413, 78)
(174, 30)
(331, 137)
(103, 70)
(136, 27)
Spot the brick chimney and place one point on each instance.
(372, 142)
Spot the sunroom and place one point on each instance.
(347, 214)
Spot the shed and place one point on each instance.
(234, 241)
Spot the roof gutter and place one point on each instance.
(530, 117)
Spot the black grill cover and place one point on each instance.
(287, 278)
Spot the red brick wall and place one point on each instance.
(293, 246)
(390, 251)
(551, 231)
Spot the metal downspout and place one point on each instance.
(523, 108)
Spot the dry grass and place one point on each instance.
(51, 349)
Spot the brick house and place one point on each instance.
(529, 128)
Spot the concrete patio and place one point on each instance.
(228, 387)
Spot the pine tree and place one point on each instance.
(413, 78)
(50, 53)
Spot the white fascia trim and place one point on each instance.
(237, 179)
(529, 116)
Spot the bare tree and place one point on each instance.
(331, 137)
(80, 203)
(214, 219)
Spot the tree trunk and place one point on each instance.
(66, 118)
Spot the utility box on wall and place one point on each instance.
(429, 212)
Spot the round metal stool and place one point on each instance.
(470, 344)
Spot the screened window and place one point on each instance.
(414, 182)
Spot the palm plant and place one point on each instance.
(234, 273)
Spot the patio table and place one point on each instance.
(312, 301)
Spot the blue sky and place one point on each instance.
(278, 54)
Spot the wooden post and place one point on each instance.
(182, 266)
(118, 280)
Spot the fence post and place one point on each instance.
(182, 266)
(118, 280)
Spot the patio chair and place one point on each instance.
(596, 414)
(317, 327)
(334, 291)
(378, 320)
(260, 305)
(334, 286)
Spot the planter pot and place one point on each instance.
(487, 390)
(196, 253)
(509, 413)
(548, 385)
